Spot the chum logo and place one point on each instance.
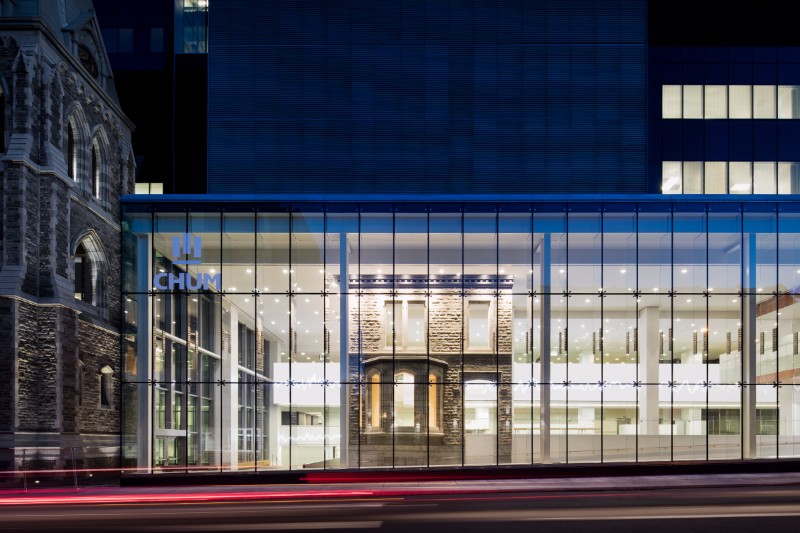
(186, 247)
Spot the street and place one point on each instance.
(702, 503)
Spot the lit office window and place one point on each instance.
(692, 101)
(788, 178)
(788, 101)
(671, 177)
(149, 188)
(716, 105)
(715, 177)
(693, 177)
(734, 101)
(740, 177)
(741, 105)
(671, 101)
(730, 177)
(763, 101)
(764, 178)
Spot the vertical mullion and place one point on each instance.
(529, 345)
(426, 332)
(670, 335)
(638, 383)
(258, 301)
(222, 380)
(290, 329)
(602, 330)
(498, 379)
(152, 387)
(325, 347)
(777, 359)
(393, 296)
(463, 310)
(360, 380)
(566, 334)
(707, 319)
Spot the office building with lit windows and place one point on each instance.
(445, 235)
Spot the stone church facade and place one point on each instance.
(65, 160)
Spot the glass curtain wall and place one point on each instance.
(279, 336)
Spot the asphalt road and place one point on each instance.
(445, 509)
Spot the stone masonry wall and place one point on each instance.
(48, 340)
(37, 375)
(98, 348)
(8, 317)
(447, 333)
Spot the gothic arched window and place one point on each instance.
(83, 275)
(88, 267)
(72, 152)
(95, 170)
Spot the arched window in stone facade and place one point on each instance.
(375, 402)
(72, 151)
(2, 120)
(88, 268)
(412, 403)
(433, 402)
(83, 275)
(81, 381)
(95, 174)
(404, 401)
(106, 387)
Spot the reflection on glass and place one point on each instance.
(434, 338)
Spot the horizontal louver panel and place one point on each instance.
(427, 96)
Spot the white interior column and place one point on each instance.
(273, 426)
(748, 349)
(144, 353)
(789, 427)
(230, 395)
(344, 353)
(544, 351)
(648, 370)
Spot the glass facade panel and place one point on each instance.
(716, 177)
(692, 177)
(788, 178)
(318, 337)
(764, 101)
(671, 101)
(740, 177)
(693, 101)
(764, 178)
(716, 102)
(788, 101)
(740, 100)
(671, 177)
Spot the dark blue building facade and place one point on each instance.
(427, 97)
(724, 114)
